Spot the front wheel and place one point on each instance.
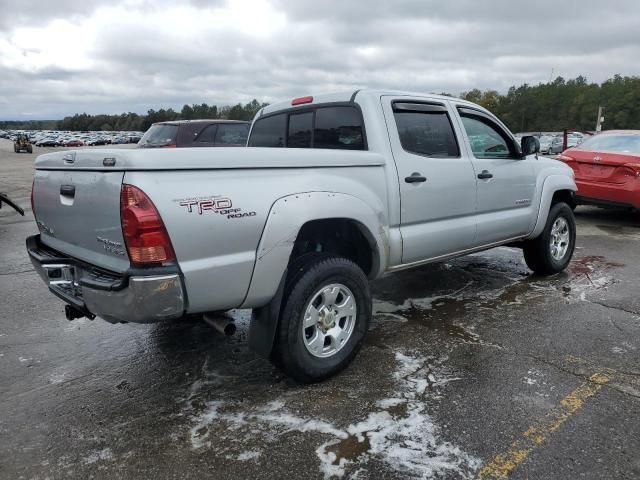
(325, 316)
(552, 250)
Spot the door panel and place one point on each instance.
(505, 181)
(437, 183)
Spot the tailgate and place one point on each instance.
(78, 213)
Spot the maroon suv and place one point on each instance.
(196, 133)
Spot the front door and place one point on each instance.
(437, 183)
(505, 181)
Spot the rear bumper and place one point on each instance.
(609, 194)
(138, 296)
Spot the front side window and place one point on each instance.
(428, 133)
(487, 141)
(269, 131)
(231, 134)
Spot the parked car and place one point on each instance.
(47, 142)
(364, 183)
(545, 143)
(73, 143)
(607, 169)
(196, 133)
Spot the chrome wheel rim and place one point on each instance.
(329, 320)
(559, 241)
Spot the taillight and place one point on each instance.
(33, 184)
(565, 158)
(634, 167)
(144, 232)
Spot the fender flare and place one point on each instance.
(551, 185)
(286, 218)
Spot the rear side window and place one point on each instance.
(269, 131)
(335, 127)
(426, 130)
(231, 134)
(160, 134)
(300, 126)
(205, 137)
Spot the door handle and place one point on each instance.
(415, 178)
(68, 190)
(485, 174)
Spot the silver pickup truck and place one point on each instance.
(332, 191)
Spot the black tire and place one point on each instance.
(306, 276)
(29, 149)
(537, 252)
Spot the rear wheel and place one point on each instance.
(552, 250)
(325, 316)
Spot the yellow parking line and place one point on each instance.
(503, 464)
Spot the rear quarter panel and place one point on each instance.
(216, 218)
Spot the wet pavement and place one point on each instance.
(473, 368)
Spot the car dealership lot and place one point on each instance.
(472, 368)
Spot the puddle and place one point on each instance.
(489, 287)
(349, 448)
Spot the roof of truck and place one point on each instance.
(352, 95)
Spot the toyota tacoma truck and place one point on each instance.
(333, 191)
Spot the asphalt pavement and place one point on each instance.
(473, 368)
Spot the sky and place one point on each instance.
(63, 57)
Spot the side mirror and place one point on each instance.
(529, 145)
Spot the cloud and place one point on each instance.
(58, 58)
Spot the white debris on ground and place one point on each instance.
(98, 455)
(398, 432)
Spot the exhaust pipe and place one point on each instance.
(72, 313)
(222, 323)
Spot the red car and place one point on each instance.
(607, 169)
(74, 143)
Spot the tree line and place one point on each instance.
(561, 104)
(135, 122)
(551, 106)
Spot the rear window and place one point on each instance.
(300, 126)
(338, 127)
(335, 127)
(613, 143)
(232, 134)
(160, 134)
(269, 131)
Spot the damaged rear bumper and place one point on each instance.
(138, 296)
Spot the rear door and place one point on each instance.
(437, 183)
(505, 181)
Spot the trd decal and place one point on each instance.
(215, 204)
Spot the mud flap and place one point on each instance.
(264, 323)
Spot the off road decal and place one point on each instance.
(214, 204)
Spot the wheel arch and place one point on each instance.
(556, 188)
(303, 217)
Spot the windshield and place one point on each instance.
(613, 143)
(159, 135)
